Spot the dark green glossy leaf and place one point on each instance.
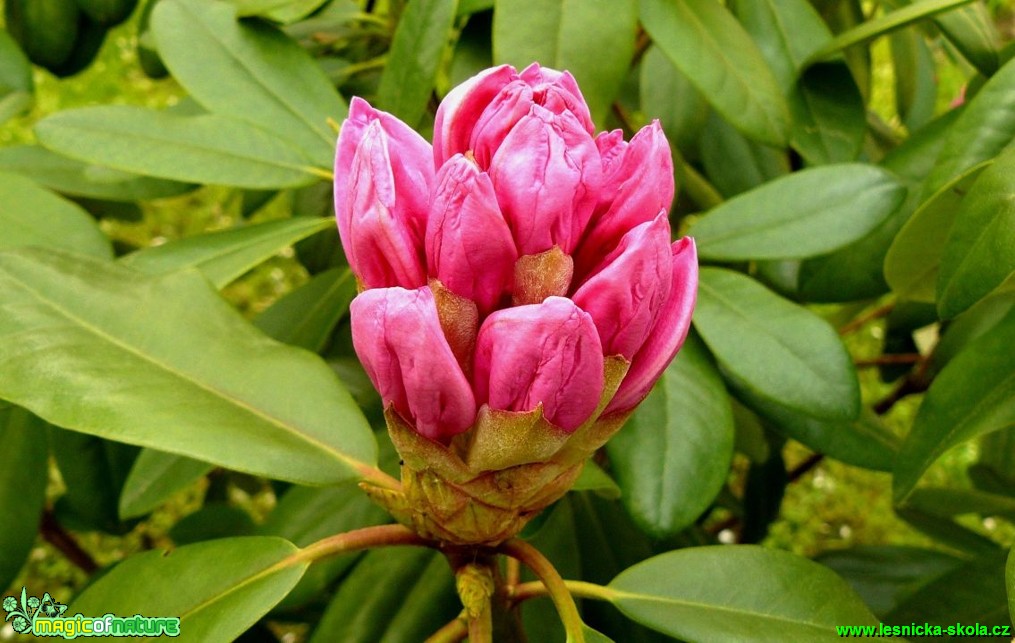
(915, 82)
(93, 470)
(971, 594)
(121, 346)
(913, 261)
(711, 48)
(973, 395)
(223, 256)
(307, 514)
(674, 453)
(34, 216)
(735, 164)
(947, 502)
(22, 487)
(1011, 584)
(213, 520)
(217, 588)
(399, 594)
(886, 23)
(780, 351)
(79, 179)
(778, 597)
(417, 50)
(985, 127)
(979, 254)
(947, 532)
(250, 71)
(885, 576)
(594, 479)
(969, 325)
(804, 214)
(16, 84)
(973, 32)
(572, 36)
(154, 477)
(196, 149)
(668, 95)
(306, 316)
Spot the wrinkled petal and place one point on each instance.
(636, 184)
(509, 106)
(547, 174)
(462, 108)
(547, 354)
(669, 333)
(383, 174)
(398, 338)
(630, 287)
(558, 91)
(468, 243)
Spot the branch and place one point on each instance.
(555, 585)
(54, 533)
(857, 322)
(454, 632)
(360, 539)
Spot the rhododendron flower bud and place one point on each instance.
(398, 337)
(545, 354)
(468, 244)
(383, 174)
(521, 293)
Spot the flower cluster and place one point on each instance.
(520, 289)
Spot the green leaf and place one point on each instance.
(250, 71)
(213, 520)
(778, 350)
(968, 326)
(76, 178)
(668, 95)
(804, 214)
(973, 32)
(973, 395)
(947, 502)
(886, 23)
(710, 47)
(414, 59)
(563, 34)
(971, 594)
(557, 539)
(884, 576)
(979, 254)
(1011, 583)
(93, 470)
(592, 636)
(305, 515)
(306, 316)
(283, 11)
(913, 261)
(400, 594)
(122, 346)
(22, 487)
(196, 149)
(985, 127)
(154, 477)
(674, 454)
(735, 164)
(778, 596)
(16, 84)
(218, 588)
(594, 479)
(915, 82)
(34, 216)
(223, 256)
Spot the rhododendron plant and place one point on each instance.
(521, 292)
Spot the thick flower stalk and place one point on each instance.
(520, 292)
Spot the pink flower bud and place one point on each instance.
(468, 243)
(383, 174)
(547, 354)
(478, 114)
(668, 334)
(547, 174)
(630, 287)
(398, 337)
(637, 183)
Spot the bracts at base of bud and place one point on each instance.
(488, 483)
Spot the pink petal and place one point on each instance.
(398, 338)
(462, 108)
(547, 354)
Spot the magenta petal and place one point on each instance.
(547, 174)
(398, 337)
(462, 108)
(558, 91)
(547, 354)
(468, 243)
(630, 288)
(669, 333)
(509, 106)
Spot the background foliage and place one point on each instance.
(847, 394)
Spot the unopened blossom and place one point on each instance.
(521, 290)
